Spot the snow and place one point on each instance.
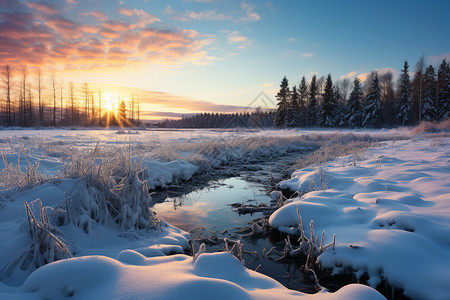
(392, 205)
(390, 213)
(217, 275)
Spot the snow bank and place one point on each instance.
(160, 174)
(215, 275)
(390, 212)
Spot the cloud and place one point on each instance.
(150, 100)
(307, 55)
(98, 15)
(187, 16)
(94, 41)
(249, 14)
(292, 39)
(437, 59)
(380, 71)
(42, 7)
(144, 17)
(267, 84)
(349, 75)
(235, 37)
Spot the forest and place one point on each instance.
(28, 98)
(380, 101)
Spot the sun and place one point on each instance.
(110, 101)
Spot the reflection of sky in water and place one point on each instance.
(210, 207)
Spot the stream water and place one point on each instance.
(211, 208)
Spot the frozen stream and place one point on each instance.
(210, 207)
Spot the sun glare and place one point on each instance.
(110, 101)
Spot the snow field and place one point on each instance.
(390, 213)
(117, 245)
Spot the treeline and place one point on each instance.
(254, 119)
(380, 102)
(30, 100)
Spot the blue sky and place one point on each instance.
(220, 52)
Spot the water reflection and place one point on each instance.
(210, 207)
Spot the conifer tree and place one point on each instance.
(292, 110)
(353, 116)
(428, 109)
(312, 103)
(372, 115)
(443, 88)
(404, 115)
(328, 108)
(282, 97)
(302, 100)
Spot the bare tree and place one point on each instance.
(54, 98)
(92, 107)
(30, 105)
(22, 99)
(99, 107)
(86, 100)
(40, 87)
(61, 87)
(132, 108)
(138, 110)
(71, 88)
(418, 88)
(388, 97)
(7, 82)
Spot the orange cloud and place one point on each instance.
(116, 25)
(96, 14)
(68, 43)
(42, 7)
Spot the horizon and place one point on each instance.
(214, 56)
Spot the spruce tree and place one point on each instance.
(404, 115)
(312, 103)
(428, 109)
(372, 115)
(291, 119)
(443, 97)
(302, 100)
(282, 97)
(328, 108)
(353, 116)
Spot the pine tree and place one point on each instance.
(282, 97)
(404, 114)
(443, 96)
(372, 115)
(292, 110)
(302, 100)
(122, 113)
(312, 103)
(353, 116)
(428, 109)
(328, 108)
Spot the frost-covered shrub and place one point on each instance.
(432, 127)
(88, 202)
(133, 205)
(14, 176)
(97, 200)
(46, 245)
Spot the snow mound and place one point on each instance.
(214, 275)
(160, 174)
(390, 214)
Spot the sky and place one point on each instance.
(215, 55)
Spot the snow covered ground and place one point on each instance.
(390, 212)
(117, 257)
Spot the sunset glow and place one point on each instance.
(110, 101)
(212, 56)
